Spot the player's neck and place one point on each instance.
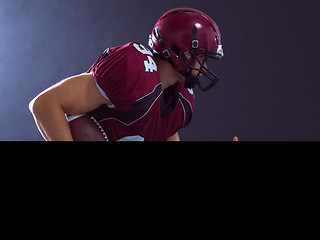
(168, 75)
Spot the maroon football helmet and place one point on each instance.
(182, 34)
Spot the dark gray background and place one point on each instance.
(269, 88)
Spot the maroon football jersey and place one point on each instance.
(128, 77)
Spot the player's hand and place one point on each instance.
(235, 139)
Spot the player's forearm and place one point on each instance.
(50, 119)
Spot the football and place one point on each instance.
(86, 128)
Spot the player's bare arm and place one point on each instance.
(74, 95)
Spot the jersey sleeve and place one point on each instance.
(121, 77)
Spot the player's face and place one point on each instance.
(199, 68)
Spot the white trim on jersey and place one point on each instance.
(105, 95)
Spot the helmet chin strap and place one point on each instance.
(164, 48)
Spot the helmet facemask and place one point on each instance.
(211, 78)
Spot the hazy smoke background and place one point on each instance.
(269, 88)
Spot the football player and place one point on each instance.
(135, 92)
